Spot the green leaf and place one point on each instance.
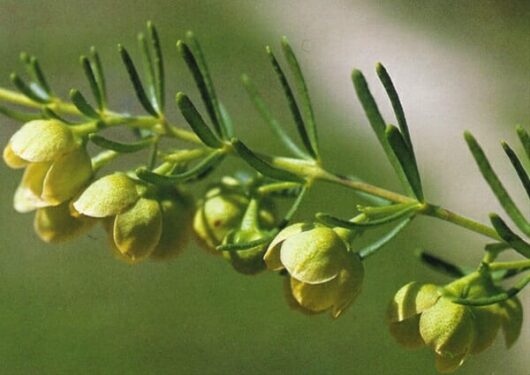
(119, 146)
(524, 138)
(35, 72)
(158, 60)
(149, 69)
(378, 125)
(521, 172)
(82, 105)
(137, 83)
(47, 112)
(440, 265)
(247, 245)
(406, 159)
(18, 115)
(197, 66)
(303, 93)
(227, 120)
(389, 236)
(89, 73)
(196, 122)
(97, 68)
(337, 222)
(261, 165)
(267, 115)
(496, 185)
(292, 211)
(28, 91)
(203, 166)
(516, 242)
(293, 106)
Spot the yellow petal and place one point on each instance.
(42, 140)
(314, 256)
(25, 201)
(349, 283)
(55, 224)
(66, 176)
(314, 297)
(512, 320)
(487, 323)
(412, 299)
(33, 178)
(272, 256)
(291, 301)
(108, 196)
(137, 230)
(12, 160)
(407, 332)
(447, 364)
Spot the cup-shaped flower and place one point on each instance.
(220, 212)
(419, 315)
(57, 166)
(135, 218)
(324, 274)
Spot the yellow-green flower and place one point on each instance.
(57, 166)
(324, 274)
(420, 316)
(221, 212)
(136, 220)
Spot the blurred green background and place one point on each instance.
(458, 64)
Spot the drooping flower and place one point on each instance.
(324, 274)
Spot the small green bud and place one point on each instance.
(56, 224)
(324, 274)
(248, 261)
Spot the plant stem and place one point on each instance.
(519, 265)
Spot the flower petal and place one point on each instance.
(42, 140)
(511, 320)
(108, 196)
(25, 201)
(272, 256)
(412, 299)
(66, 176)
(11, 159)
(137, 230)
(446, 364)
(314, 256)
(314, 297)
(487, 323)
(407, 332)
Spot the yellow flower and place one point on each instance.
(138, 224)
(420, 316)
(324, 274)
(57, 166)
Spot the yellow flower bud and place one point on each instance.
(56, 224)
(324, 274)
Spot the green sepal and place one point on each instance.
(267, 115)
(293, 106)
(137, 83)
(261, 165)
(120, 147)
(303, 94)
(28, 91)
(82, 104)
(496, 185)
(196, 122)
(18, 115)
(518, 166)
(406, 159)
(378, 124)
(516, 242)
(389, 236)
(202, 167)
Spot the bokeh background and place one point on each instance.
(457, 65)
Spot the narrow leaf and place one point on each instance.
(496, 185)
(441, 265)
(28, 91)
(227, 120)
(82, 105)
(196, 122)
(292, 211)
(50, 113)
(337, 222)
(18, 115)
(247, 245)
(378, 124)
(261, 165)
(293, 106)
(406, 159)
(516, 242)
(35, 71)
(148, 68)
(197, 66)
(203, 166)
(97, 68)
(524, 138)
(94, 87)
(159, 65)
(303, 93)
(521, 172)
(267, 115)
(137, 83)
(372, 248)
(119, 146)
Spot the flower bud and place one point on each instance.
(247, 261)
(56, 224)
(324, 274)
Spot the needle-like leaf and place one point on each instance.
(120, 146)
(82, 104)
(34, 70)
(518, 166)
(28, 91)
(18, 115)
(516, 242)
(97, 68)
(158, 61)
(372, 248)
(91, 77)
(196, 122)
